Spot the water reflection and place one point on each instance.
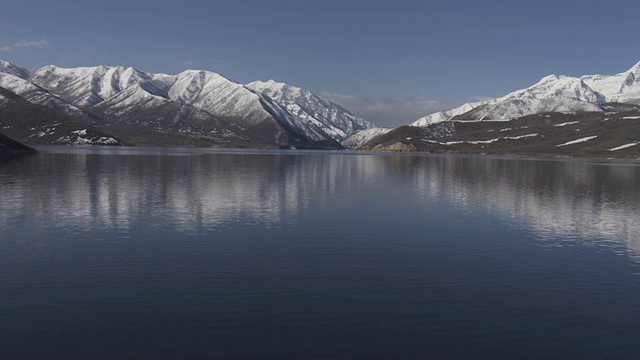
(193, 191)
(90, 191)
(563, 200)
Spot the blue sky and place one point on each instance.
(391, 61)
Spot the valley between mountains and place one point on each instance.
(592, 115)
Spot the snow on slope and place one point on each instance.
(214, 93)
(446, 115)
(87, 86)
(624, 146)
(621, 87)
(507, 109)
(333, 119)
(577, 141)
(132, 97)
(359, 138)
(243, 106)
(552, 93)
(9, 68)
(36, 94)
(122, 87)
(225, 98)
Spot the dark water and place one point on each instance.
(185, 254)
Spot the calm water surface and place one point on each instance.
(195, 254)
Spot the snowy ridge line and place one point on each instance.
(564, 94)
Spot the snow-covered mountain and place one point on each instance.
(87, 86)
(623, 87)
(9, 68)
(126, 88)
(193, 104)
(15, 79)
(36, 124)
(553, 93)
(333, 119)
(593, 115)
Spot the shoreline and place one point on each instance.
(271, 151)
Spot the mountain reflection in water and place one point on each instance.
(115, 253)
(577, 200)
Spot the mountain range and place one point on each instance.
(591, 115)
(125, 106)
(553, 93)
(104, 105)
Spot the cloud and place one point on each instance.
(388, 112)
(24, 44)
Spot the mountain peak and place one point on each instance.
(49, 68)
(9, 68)
(552, 77)
(271, 85)
(4, 63)
(635, 69)
(553, 93)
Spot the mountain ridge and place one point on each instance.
(591, 115)
(103, 95)
(332, 118)
(552, 93)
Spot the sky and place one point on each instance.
(388, 61)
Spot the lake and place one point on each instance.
(140, 253)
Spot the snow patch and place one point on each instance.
(480, 120)
(520, 137)
(43, 133)
(82, 132)
(566, 123)
(578, 140)
(79, 140)
(624, 146)
(480, 142)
